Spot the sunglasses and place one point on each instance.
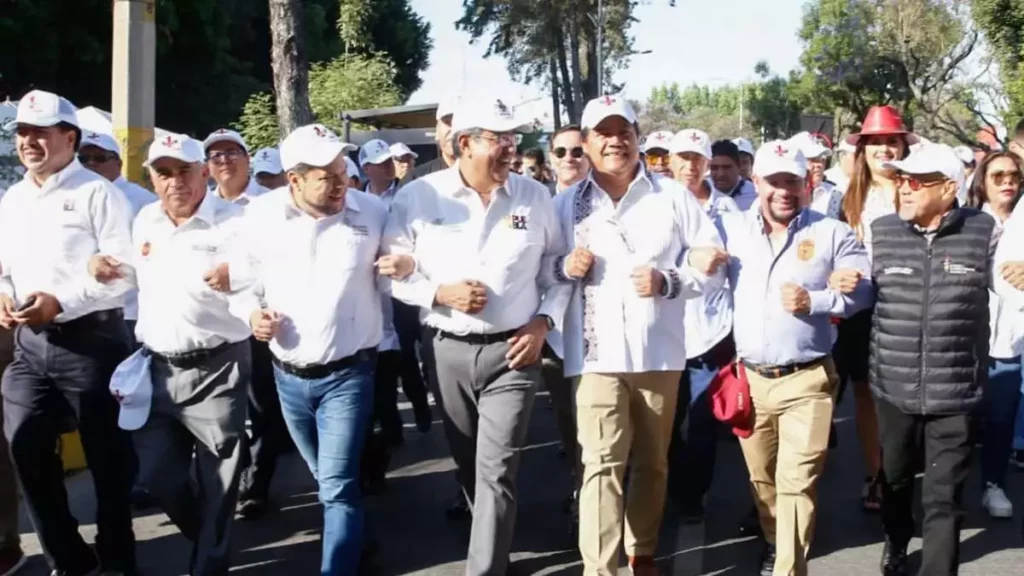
(226, 156)
(916, 184)
(97, 158)
(574, 152)
(1012, 177)
(656, 159)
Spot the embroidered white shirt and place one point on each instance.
(608, 327)
(511, 246)
(48, 234)
(178, 311)
(708, 318)
(138, 197)
(252, 190)
(318, 273)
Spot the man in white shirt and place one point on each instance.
(405, 161)
(727, 174)
(197, 340)
(323, 320)
(746, 157)
(635, 237)
(376, 161)
(484, 244)
(227, 158)
(70, 334)
(266, 167)
(656, 152)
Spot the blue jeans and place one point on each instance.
(1001, 400)
(328, 419)
(1018, 433)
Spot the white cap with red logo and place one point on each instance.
(487, 114)
(398, 150)
(101, 140)
(779, 157)
(132, 385)
(225, 135)
(931, 158)
(374, 152)
(177, 146)
(44, 109)
(659, 139)
(312, 144)
(691, 140)
(605, 107)
(744, 145)
(266, 161)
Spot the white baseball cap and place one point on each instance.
(931, 158)
(132, 386)
(351, 169)
(225, 135)
(811, 147)
(177, 146)
(487, 114)
(604, 107)
(779, 157)
(399, 149)
(845, 147)
(374, 152)
(266, 160)
(691, 140)
(44, 109)
(744, 145)
(101, 140)
(658, 139)
(448, 106)
(312, 144)
(965, 154)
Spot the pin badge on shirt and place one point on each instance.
(69, 205)
(145, 249)
(805, 250)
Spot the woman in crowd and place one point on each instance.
(871, 193)
(996, 189)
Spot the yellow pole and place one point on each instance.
(133, 95)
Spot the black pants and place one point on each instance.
(268, 436)
(946, 444)
(60, 370)
(407, 324)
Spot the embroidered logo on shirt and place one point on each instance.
(898, 270)
(805, 250)
(517, 222)
(359, 230)
(145, 249)
(69, 205)
(953, 268)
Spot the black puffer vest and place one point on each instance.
(930, 331)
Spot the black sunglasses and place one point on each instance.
(575, 152)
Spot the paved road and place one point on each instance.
(416, 538)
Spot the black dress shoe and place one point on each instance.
(252, 508)
(894, 560)
(424, 417)
(767, 560)
(141, 500)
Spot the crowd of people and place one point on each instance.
(662, 287)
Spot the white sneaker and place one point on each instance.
(996, 502)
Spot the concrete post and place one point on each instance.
(133, 95)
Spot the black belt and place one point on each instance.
(773, 372)
(478, 339)
(189, 360)
(317, 371)
(82, 323)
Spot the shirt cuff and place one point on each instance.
(70, 300)
(822, 301)
(673, 286)
(561, 274)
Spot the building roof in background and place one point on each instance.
(412, 116)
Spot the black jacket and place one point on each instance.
(930, 331)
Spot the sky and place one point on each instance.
(699, 41)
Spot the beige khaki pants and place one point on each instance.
(785, 456)
(623, 418)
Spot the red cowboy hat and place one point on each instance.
(882, 120)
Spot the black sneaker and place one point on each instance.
(767, 560)
(894, 561)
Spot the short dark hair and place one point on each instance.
(69, 127)
(726, 148)
(535, 154)
(563, 130)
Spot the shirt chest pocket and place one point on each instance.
(509, 242)
(72, 226)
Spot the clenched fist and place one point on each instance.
(578, 263)
(647, 281)
(707, 260)
(795, 299)
(264, 324)
(468, 296)
(1013, 273)
(395, 266)
(845, 280)
(218, 278)
(105, 269)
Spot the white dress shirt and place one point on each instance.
(317, 273)
(1010, 248)
(744, 194)
(252, 190)
(608, 327)
(511, 246)
(708, 318)
(178, 311)
(828, 200)
(389, 341)
(1006, 324)
(138, 197)
(48, 234)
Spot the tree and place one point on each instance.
(290, 63)
(349, 82)
(1002, 24)
(391, 26)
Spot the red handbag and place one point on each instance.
(730, 399)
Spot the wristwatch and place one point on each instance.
(547, 320)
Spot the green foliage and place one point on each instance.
(1002, 23)
(349, 82)
(391, 26)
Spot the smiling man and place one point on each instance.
(228, 161)
(782, 257)
(485, 244)
(70, 334)
(641, 246)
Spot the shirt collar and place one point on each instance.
(56, 180)
(292, 210)
(250, 188)
(643, 176)
(794, 225)
(456, 185)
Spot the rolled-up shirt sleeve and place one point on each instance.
(849, 255)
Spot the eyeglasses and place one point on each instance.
(915, 183)
(225, 156)
(98, 158)
(654, 159)
(1012, 177)
(503, 140)
(574, 152)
